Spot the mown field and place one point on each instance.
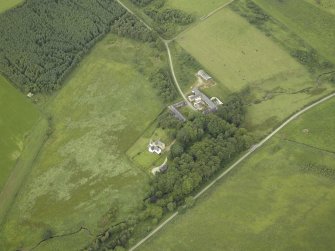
(18, 116)
(281, 198)
(313, 24)
(197, 7)
(8, 4)
(240, 56)
(236, 53)
(83, 170)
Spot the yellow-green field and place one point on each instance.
(198, 7)
(238, 56)
(281, 198)
(82, 171)
(8, 4)
(327, 5)
(236, 53)
(18, 116)
(313, 24)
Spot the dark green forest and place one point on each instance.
(42, 40)
(166, 20)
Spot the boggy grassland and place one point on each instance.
(82, 170)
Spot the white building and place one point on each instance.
(202, 74)
(156, 147)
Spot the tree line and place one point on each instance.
(166, 19)
(42, 40)
(161, 81)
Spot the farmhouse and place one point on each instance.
(203, 75)
(201, 101)
(156, 147)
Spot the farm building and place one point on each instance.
(203, 75)
(156, 147)
(201, 100)
(177, 114)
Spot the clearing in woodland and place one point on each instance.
(82, 171)
(280, 198)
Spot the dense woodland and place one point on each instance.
(166, 20)
(163, 84)
(42, 40)
(205, 144)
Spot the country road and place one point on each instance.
(252, 150)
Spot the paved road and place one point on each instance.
(252, 150)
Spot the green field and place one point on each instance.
(313, 24)
(236, 53)
(238, 56)
(197, 7)
(328, 5)
(83, 170)
(8, 4)
(281, 198)
(17, 118)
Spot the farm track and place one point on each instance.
(216, 10)
(166, 43)
(241, 159)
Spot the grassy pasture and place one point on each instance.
(327, 5)
(83, 170)
(281, 202)
(236, 53)
(17, 118)
(313, 24)
(8, 4)
(315, 128)
(238, 56)
(199, 8)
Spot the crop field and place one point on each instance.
(281, 198)
(17, 118)
(8, 4)
(197, 7)
(83, 170)
(238, 56)
(313, 24)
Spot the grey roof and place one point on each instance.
(209, 102)
(204, 75)
(177, 114)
